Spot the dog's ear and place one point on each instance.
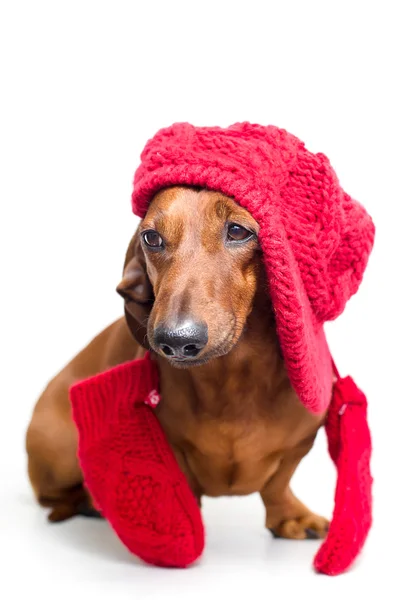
(137, 291)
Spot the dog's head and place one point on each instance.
(191, 274)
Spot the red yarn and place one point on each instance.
(130, 469)
(349, 444)
(315, 239)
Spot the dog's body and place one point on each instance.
(234, 422)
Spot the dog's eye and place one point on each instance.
(152, 239)
(237, 233)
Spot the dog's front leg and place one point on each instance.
(286, 516)
(184, 467)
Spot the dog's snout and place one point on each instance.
(184, 341)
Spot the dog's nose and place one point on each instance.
(185, 340)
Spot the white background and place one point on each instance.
(83, 86)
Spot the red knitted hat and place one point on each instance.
(316, 239)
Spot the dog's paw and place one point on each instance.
(309, 527)
(61, 512)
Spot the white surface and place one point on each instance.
(84, 84)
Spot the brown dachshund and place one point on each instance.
(196, 294)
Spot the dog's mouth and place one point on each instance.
(187, 363)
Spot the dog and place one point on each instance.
(196, 294)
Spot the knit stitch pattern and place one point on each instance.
(315, 238)
(129, 467)
(350, 446)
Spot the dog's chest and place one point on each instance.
(233, 445)
(232, 457)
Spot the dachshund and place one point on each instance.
(196, 295)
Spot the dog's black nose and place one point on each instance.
(185, 340)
